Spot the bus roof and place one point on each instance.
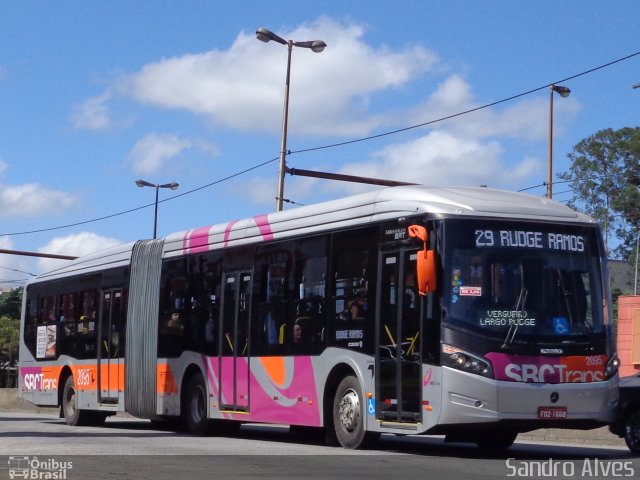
(385, 204)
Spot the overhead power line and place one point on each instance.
(106, 217)
(465, 112)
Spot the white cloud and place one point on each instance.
(467, 150)
(93, 113)
(76, 245)
(153, 152)
(243, 87)
(525, 119)
(442, 158)
(32, 199)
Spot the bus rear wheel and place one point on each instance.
(196, 406)
(348, 415)
(72, 414)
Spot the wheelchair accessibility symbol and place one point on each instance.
(560, 325)
(371, 406)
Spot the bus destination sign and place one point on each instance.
(529, 239)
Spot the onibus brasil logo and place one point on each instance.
(38, 469)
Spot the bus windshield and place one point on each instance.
(523, 281)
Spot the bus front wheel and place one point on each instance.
(632, 431)
(196, 406)
(348, 415)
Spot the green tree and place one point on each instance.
(9, 337)
(11, 303)
(604, 175)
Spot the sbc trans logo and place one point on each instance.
(38, 469)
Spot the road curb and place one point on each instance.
(599, 436)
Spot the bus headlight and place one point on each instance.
(612, 366)
(465, 361)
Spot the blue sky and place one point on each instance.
(94, 95)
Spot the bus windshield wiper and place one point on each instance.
(565, 296)
(513, 328)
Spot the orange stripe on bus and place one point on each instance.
(165, 380)
(112, 376)
(274, 366)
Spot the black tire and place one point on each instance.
(497, 441)
(72, 414)
(195, 408)
(632, 431)
(349, 415)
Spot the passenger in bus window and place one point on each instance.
(300, 336)
(357, 308)
(298, 331)
(175, 321)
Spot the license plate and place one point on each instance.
(552, 413)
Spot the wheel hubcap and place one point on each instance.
(349, 410)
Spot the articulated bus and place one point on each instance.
(472, 313)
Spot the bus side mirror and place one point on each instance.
(426, 261)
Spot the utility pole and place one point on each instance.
(37, 254)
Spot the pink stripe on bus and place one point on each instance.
(185, 242)
(227, 232)
(196, 240)
(262, 221)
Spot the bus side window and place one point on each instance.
(351, 287)
(174, 308)
(210, 278)
(31, 322)
(353, 268)
(272, 292)
(67, 315)
(307, 331)
(86, 327)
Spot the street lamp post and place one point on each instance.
(144, 183)
(317, 46)
(635, 280)
(564, 93)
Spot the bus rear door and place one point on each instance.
(234, 351)
(110, 345)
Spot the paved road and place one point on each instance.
(128, 448)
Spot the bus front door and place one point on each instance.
(234, 336)
(398, 356)
(110, 345)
